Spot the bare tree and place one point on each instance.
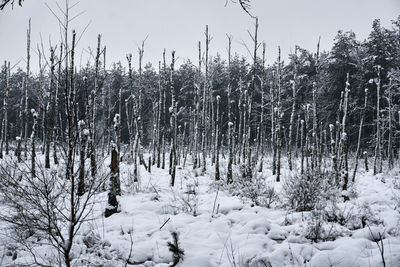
(217, 140)
(50, 110)
(378, 145)
(83, 134)
(249, 137)
(230, 123)
(294, 89)
(93, 111)
(115, 184)
(197, 129)
(205, 103)
(278, 118)
(260, 143)
(139, 105)
(359, 134)
(390, 128)
(316, 150)
(33, 143)
(173, 122)
(28, 59)
(343, 146)
(4, 124)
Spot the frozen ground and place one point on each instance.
(217, 228)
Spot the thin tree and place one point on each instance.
(260, 148)
(378, 146)
(294, 89)
(4, 124)
(249, 137)
(55, 114)
(230, 123)
(28, 59)
(92, 127)
(159, 115)
(197, 129)
(50, 109)
(316, 150)
(83, 134)
(205, 97)
(278, 118)
(173, 122)
(33, 142)
(359, 134)
(139, 105)
(390, 128)
(217, 140)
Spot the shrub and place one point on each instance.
(303, 192)
(257, 190)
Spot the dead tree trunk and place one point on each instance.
(18, 149)
(205, 96)
(378, 147)
(28, 58)
(164, 108)
(261, 130)
(55, 114)
(343, 147)
(359, 135)
(390, 130)
(160, 115)
(82, 157)
(112, 206)
(139, 106)
(293, 111)
(103, 106)
(33, 146)
(117, 133)
(130, 116)
(217, 140)
(4, 128)
(173, 122)
(250, 162)
(92, 142)
(197, 130)
(230, 123)
(50, 110)
(278, 120)
(316, 150)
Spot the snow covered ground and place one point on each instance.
(218, 228)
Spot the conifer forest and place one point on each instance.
(228, 160)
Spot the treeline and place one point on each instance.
(364, 62)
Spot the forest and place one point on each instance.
(99, 161)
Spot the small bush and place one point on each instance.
(303, 192)
(257, 190)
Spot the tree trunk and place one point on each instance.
(173, 122)
(359, 135)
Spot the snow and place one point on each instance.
(217, 228)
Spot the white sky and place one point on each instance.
(180, 24)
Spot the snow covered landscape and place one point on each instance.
(218, 225)
(223, 160)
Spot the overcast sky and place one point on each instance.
(180, 24)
